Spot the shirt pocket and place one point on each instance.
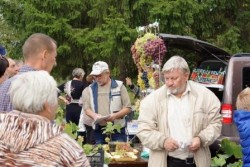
(116, 103)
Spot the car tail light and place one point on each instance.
(227, 113)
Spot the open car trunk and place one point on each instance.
(204, 49)
(211, 69)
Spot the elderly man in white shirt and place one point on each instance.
(179, 121)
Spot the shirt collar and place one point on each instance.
(26, 68)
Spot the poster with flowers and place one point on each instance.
(148, 52)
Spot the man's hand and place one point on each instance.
(195, 145)
(96, 116)
(128, 81)
(102, 123)
(66, 102)
(112, 117)
(170, 144)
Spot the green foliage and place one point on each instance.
(131, 96)
(110, 129)
(231, 148)
(176, 16)
(91, 149)
(9, 38)
(230, 40)
(228, 149)
(91, 30)
(60, 115)
(236, 164)
(71, 129)
(219, 160)
(87, 148)
(136, 115)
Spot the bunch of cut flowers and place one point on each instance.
(146, 51)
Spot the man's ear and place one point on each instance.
(44, 54)
(187, 75)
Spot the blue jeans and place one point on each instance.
(100, 138)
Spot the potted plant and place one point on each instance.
(110, 129)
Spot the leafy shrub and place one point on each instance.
(229, 155)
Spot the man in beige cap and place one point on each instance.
(106, 97)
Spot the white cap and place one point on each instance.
(99, 67)
(155, 66)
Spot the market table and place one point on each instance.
(140, 162)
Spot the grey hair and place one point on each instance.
(176, 62)
(78, 72)
(31, 90)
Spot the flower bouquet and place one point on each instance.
(148, 52)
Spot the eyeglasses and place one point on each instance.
(98, 76)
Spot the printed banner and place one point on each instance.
(207, 76)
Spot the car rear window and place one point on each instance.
(246, 77)
(211, 73)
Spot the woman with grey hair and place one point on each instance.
(73, 90)
(28, 136)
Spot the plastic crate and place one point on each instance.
(97, 159)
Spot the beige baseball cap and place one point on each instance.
(99, 67)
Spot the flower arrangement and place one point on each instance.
(137, 109)
(148, 50)
(137, 105)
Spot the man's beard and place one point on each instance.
(177, 90)
(173, 91)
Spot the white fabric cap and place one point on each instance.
(99, 67)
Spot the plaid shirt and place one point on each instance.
(5, 103)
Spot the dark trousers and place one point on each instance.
(73, 112)
(174, 162)
(90, 137)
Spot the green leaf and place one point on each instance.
(236, 164)
(110, 129)
(91, 149)
(71, 129)
(219, 160)
(227, 150)
(87, 148)
(231, 148)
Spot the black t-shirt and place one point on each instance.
(76, 88)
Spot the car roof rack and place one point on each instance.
(242, 55)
